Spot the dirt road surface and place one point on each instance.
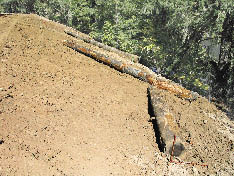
(63, 113)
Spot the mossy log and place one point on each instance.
(137, 70)
(166, 125)
(131, 57)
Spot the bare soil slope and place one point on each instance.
(62, 113)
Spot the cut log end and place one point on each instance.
(176, 150)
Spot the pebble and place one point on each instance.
(205, 121)
(195, 171)
(213, 116)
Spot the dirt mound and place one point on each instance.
(62, 113)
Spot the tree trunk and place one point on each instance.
(166, 125)
(136, 70)
(222, 69)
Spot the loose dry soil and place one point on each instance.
(63, 113)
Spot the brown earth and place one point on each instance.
(63, 113)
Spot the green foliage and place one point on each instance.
(18, 6)
(57, 10)
(83, 15)
(1, 7)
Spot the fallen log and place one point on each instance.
(131, 57)
(4, 14)
(166, 125)
(137, 70)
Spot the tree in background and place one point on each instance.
(58, 10)
(184, 28)
(17, 6)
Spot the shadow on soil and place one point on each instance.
(161, 145)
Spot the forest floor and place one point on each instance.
(63, 113)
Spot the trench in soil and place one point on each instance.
(159, 142)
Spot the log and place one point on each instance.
(166, 125)
(4, 14)
(131, 57)
(137, 70)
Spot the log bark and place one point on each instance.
(137, 70)
(166, 125)
(131, 57)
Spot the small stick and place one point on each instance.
(173, 147)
